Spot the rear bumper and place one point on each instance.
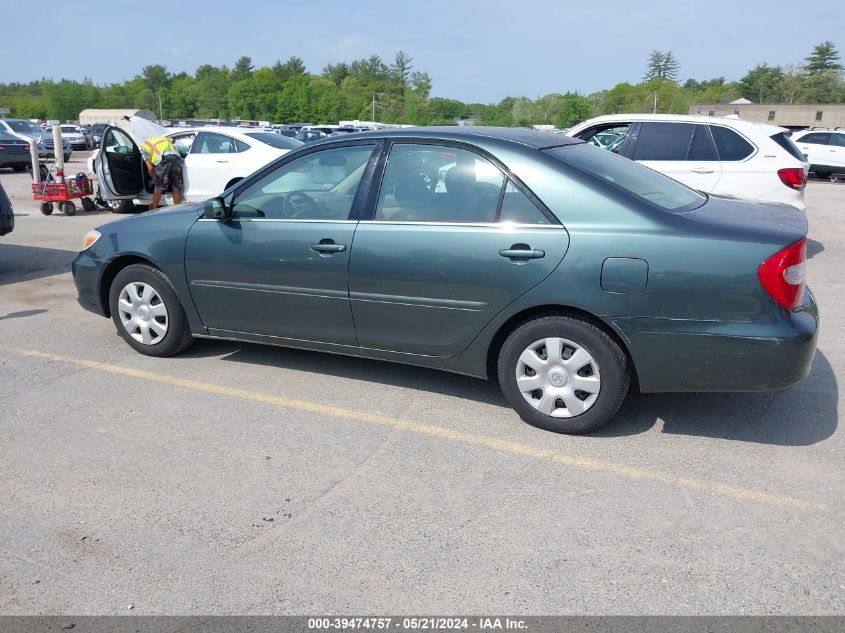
(672, 355)
(87, 273)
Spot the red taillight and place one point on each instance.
(783, 274)
(26, 147)
(793, 177)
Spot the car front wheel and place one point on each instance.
(563, 374)
(147, 312)
(120, 206)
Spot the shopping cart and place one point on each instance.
(51, 191)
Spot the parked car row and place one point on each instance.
(27, 131)
(562, 270)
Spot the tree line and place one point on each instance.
(398, 93)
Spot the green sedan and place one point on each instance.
(561, 270)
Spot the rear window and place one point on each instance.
(275, 140)
(786, 143)
(621, 173)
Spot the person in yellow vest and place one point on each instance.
(165, 167)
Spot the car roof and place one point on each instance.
(689, 118)
(473, 134)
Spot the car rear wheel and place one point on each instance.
(563, 374)
(147, 312)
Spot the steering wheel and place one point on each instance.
(300, 204)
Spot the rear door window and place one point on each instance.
(663, 141)
(702, 148)
(211, 143)
(730, 145)
(517, 208)
(431, 183)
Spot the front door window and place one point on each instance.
(318, 186)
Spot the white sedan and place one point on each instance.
(215, 159)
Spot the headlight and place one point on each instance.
(90, 238)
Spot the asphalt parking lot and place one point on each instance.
(236, 478)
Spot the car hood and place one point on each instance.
(192, 208)
(139, 129)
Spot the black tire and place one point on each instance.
(609, 360)
(68, 208)
(46, 208)
(88, 205)
(120, 206)
(178, 335)
(19, 168)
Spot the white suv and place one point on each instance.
(719, 155)
(825, 149)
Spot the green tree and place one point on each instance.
(761, 83)
(823, 58)
(576, 108)
(400, 70)
(292, 67)
(421, 84)
(212, 91)
(243, 69)
(825, 86)
(155, 77)
(661, 65)
(792, 86)
(336, 73)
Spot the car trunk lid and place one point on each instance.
(762, 222)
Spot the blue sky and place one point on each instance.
(474, 50)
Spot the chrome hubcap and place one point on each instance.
(142, 313)
(558, 377)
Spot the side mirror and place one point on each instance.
(215, 209)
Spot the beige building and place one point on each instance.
(791, 115)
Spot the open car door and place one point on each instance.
(119, 167)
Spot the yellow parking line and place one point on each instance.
(506, 446)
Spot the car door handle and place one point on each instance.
(328, 247)
(703, 170)
(522, 253)
(221, 161)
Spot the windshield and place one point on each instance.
(275, 140)
(622, 173)
(70, 128)
(24, 127)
